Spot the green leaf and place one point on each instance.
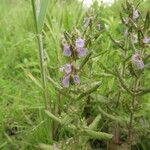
(147, 21)
(59, 88)
(85, 60)
(53, 117)
(119, 119)
(39, 20)
(94, 124)
(86, 131)
(55, 84)
(47, 147)
(89, 91)
(97, 135)
(42, 14)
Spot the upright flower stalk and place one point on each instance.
(74, 50)
(129, 73)
(76, 95)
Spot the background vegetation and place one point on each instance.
(22, 122)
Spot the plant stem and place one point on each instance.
(43, 70)
(134, 97)
(36, 6)
(36, 10)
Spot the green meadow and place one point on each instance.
(108, 110)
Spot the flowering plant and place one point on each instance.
(78, 53)
(129, 76)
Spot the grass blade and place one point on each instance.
(42, 14)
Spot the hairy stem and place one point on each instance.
(134, 97)
(43, 71)
(36, 5)
(36, 10)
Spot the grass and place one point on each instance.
(22, 119)
(18, 56)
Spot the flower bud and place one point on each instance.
(76, 79)
(65, 81)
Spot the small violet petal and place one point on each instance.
(82, 52)
(65, 81)
(67, 51)
(135, 57)
(67, 68)
(140, 64)
(79, 43)
(146, 40)
(76, 79)
(137, 61)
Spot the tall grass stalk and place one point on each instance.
(37, 11)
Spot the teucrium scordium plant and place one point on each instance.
(76, 49)
(129, 75)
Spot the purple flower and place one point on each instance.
(67, 51)
(65, 81)
(79, 43)
(140, 64)
(81, 52)
(135, 14)
(66, 68)
(76, 79)
(137, 61)
(146, 40)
